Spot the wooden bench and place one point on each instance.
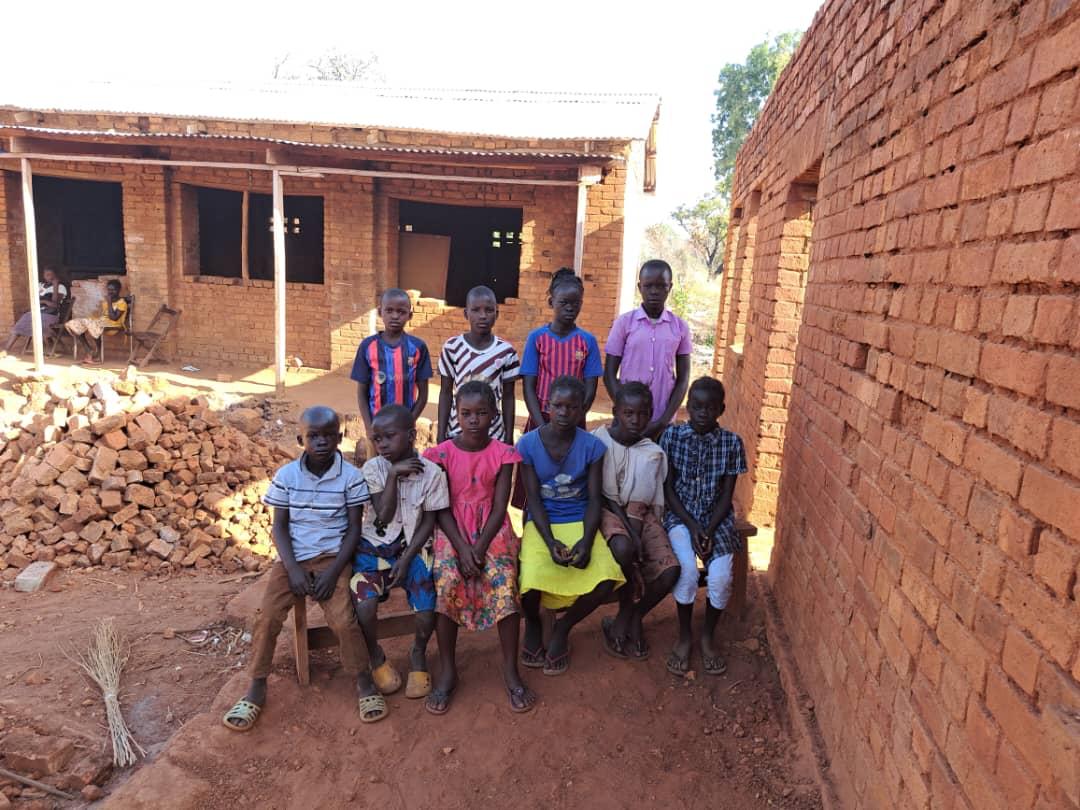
(400, 623)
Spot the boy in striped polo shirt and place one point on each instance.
(391, 366)
(318, 505)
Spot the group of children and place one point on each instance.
(627, 508)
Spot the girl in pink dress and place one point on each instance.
(476, 552)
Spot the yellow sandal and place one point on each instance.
(387, 679)
(419, 685)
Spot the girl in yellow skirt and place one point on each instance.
(562, 565)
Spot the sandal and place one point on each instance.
(373, 708)
(613, 646)
(438, 701)
(678, 665)
(242, 716)
(387, 680)
(639, 650)
(557, 665)
(713, 665)
(418, 686)
(533, 659)
(522, 699)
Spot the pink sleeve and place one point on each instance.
(510, 455)
(616, 340)
(685, 344)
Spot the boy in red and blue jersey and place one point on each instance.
(391, 366)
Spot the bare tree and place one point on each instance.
(332, 65)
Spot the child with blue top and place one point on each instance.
(562, 565)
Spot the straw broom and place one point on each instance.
(104, 661)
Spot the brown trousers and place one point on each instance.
(278, 601)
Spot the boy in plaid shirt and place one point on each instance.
(704, 460)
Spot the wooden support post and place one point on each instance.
(579, 227)
(32, 263)
(279, 282)
(245, 210)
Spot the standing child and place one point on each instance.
(113, 312)
(391, 367)
(561, 564)
(560, 348)
(317, 502)
(406, 493)
(476, 552)
(652, 345)
(634, 472)
(704, 461)
(478, 355)
(557, 349)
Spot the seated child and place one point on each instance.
(390, 367)
(634, 472)
(317, 502)
(406, 493)
(704, 460)
(476, 551)
(113, 312)
(478, 354)
(562, 467)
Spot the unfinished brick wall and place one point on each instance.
(928, 514)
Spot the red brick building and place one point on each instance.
(169, 188)
(898, 333)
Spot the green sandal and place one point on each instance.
(242, 716)
(373, 708)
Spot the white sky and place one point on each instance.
(673, 47)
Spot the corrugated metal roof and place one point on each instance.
(106, 135)
(511, 114)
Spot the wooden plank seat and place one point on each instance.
(309, 636)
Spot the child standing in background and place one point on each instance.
(704, 460)
(554, 350)
(651, 345)
(560, 348)
(476, 551)
(391, 367)
(478, 355)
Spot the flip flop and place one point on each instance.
(533, 659)
(387, 679)
(639, 650)
(677, 665)
(418, 686)
(438, 701)
(373, 708)
(613, 646)
(557, 665)
(243, 711)
(525, 695)
(713, 665)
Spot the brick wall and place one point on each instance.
(326, 322)
(907, 246)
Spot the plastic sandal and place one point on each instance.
(437, 697)
(373, 708)
(419, 685)
(245, 713)
(387, 679)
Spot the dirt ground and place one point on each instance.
(608, 734)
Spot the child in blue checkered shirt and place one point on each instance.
(704, 460)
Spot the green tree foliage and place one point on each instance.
(743, 88)
(705, 223)
(742, 91)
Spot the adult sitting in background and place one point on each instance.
(113, 312)
(51, 292)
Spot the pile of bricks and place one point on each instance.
(116, 475)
